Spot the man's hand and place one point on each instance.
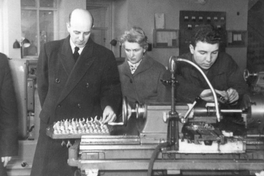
(231, 95)
(224, 96)
(108, 115)
(207, 95)
(5, 160)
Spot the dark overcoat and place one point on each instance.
(8, 113)
(71, 90)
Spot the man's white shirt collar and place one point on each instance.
(73, 46)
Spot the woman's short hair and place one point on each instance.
(135, 35)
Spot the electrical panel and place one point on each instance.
(190, 19)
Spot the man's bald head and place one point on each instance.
(79, 26)
(78, 12)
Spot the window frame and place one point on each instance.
(38, 9)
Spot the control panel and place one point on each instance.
(190, 19)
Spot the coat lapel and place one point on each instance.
(145, 64)
(79, 69)
(66, 57)
(126, 69)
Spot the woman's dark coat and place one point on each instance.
(144, 87)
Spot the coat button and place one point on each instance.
(57, 80)
(87, 85)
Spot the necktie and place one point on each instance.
(76, 54)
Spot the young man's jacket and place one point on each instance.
(223, 74)
(70, 90)
(8, 113)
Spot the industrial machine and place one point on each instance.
(255, 80)
(24, 77)
(176, 139)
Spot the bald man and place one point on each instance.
(73, 84)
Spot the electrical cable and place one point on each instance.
(154, 156)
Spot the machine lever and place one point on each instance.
(247, 74)
(189, 110)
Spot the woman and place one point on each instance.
(140, 75)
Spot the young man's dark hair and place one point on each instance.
(206, 33)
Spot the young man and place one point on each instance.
(219, 67)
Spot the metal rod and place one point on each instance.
(172, 69)
(231, 110)
(255, 135)
(173, 110)
(254, 142)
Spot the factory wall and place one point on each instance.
(128, 13)
(141, 13)
(10, 23)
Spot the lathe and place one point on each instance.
(176, 139)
